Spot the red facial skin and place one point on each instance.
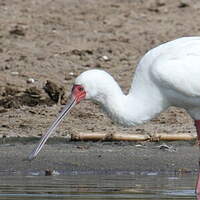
(78, 93)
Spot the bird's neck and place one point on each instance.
(135, 108)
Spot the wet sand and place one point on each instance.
(101, 157)
(57, 40)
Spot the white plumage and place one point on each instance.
(168, 75)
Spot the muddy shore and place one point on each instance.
(45, 44)
(100, 157)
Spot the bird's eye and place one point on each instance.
(81, 89)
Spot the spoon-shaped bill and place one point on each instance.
(64, 112)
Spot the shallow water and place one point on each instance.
(101, 185)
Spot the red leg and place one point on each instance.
(198, 187)
(197, 124)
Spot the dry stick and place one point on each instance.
(173, 137)
(131, 137)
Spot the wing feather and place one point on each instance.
(181, 74)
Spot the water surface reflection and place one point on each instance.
(86, 185)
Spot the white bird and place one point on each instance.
(168, 75)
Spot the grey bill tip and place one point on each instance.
(62, 114)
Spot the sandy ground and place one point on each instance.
(104, 157)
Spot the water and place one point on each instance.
(88, 185)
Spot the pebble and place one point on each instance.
(139, 145)
(71, 73)
(30, 80)
(49, 172)
(160, 3)
(183, 4)
(166, 148)
(14, 73)
(105, 58)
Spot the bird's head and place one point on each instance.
(91, 84)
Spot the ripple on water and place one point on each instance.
(98, 185)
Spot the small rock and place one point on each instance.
(76, 52)
(71, 73)
(153, 9)
(70, 76)
(17, 30)
(30, 80)
(105, 58)
(48, 172)
(82, 52)
(160, 3)
(82, 147)
(139, 145)
(183, 4)
(14, 73)
(166, 148)
(55, 92)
